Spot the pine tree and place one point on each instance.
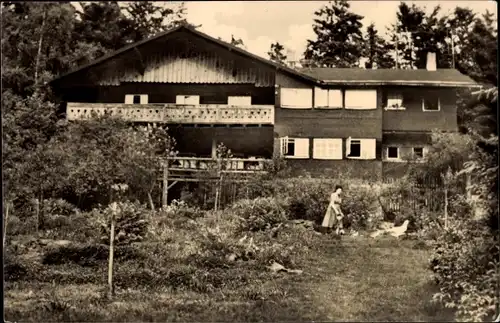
(276, 53)
(339, 40)
(377, 50)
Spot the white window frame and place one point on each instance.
(400, 108)
(307, 92)
(184, 97)
(426, 110)
(284, 141)
(367, 107)
(322, 144)
(393, 158)
(361, 154)
(129, 98)
(233, 100)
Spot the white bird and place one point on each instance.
(399, 231)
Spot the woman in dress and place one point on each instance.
(334, 215)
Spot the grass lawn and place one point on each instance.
(356, 279)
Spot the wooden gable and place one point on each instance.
(180, 57)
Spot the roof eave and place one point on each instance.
(405, 83)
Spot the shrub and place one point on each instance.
(180, 209)
(464, 266)
(58, 207)
(130, 222)
(259, 214)
(360, 206)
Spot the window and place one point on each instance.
(392, 153)
(187, 99)
(394, 101)
(418, 152)
(136, 99)
(239, 100)
(295, 147)
(296, 98)
(327, 148)
(330, 98)
(361, 99)
(361, 148)
(431, 104)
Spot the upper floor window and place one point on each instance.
(187, 99)
(136, 99)
(431, 103)
(327, 98)
(324, 148)
(239, 100)
(296, 98)
(395, 101)
(294, 147)
(361, 99)
(361, 148)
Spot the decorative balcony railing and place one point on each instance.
(230, 165)
(175, 113)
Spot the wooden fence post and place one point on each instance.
(165, 185)
(6, 221)
(111, 250)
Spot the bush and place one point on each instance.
(360, 205)
(130, 222)
(259, 214)
(464, 266)
(58, 207)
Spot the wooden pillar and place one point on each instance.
(164, 201)
(214, 148)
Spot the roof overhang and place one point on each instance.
(404, 83)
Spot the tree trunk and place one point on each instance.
(5, 221)
(151, 204)
(111, 251)
(37, 214)
(164, 202)
(40, 42)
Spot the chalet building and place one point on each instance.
(325, 121)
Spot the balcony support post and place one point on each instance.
(165, 185)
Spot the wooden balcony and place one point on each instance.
(188, 168)
(175, 113)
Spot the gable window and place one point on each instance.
(365, 99)
(324, 148)
(239, 100)
(294, 147)
(395, 101)
(136, 99)
(361, 148)
(327, 98)
(187, 99)
(296, 98)
(392, 153)
(418, 152)
(431, 103)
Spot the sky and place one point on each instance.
(261, 23)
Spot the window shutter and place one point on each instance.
(320, 97)
(180, 99)
(361, 99)
(144, 99)
(129, 99)
(302, 147)
(335, 98)
(283, 146)
(296, 98)
(239, 100)
(330, 148)
(348, 147)
(368, 148)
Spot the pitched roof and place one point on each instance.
(197, 33)
(355, 76)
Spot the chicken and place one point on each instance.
(399, 231)
(376, 233)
